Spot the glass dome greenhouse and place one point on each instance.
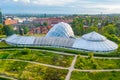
(94, 42)
(60, 36)
(61, 30)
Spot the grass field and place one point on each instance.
(3, 44)
(93, 63)
(28, 71)
(38, 56)
(95, 75)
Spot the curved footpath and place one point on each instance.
(52, 66)
(59, 67)
(8, 77)
(102, 70)
(71, 68)
(69, 54)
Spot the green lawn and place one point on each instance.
(3, 44)
(93, 63)
(28, 71)
(38, 56)
(95, 75)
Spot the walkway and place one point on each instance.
(32, 62)
(69, 54)
(8, 77)
(71, 68)
(102, 70)
(59, 67)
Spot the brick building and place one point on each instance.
(10, 21)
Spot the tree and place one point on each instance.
(1, 29)
(118, 28)
(46, 25)
(8, 30)
(26, 29)
(92, 28)
(77, 26)
(110, 29)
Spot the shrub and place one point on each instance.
(4, 55)
(90, 55)
(95, 66)
(25, 51)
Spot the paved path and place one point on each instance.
(102, 70)
(52, 66)
(102, 57)
(71, 68)
(69, 54)
(8, 77)
(63, 53)
(59, 67)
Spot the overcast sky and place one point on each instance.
(60, 6)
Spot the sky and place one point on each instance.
(60, 6)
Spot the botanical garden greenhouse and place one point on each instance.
(62, 35)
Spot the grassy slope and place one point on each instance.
(38, 56)
(87, 63)
(25, 71)
(95, 75)
(3, 44)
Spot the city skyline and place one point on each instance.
(60, 6)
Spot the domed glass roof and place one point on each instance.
(61, 30)
(93, 36)
(94, 42)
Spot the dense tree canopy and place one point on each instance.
(8, 30)
(25, 29)
(110, 29)
(1, 29)
(103, 25)
(77, 26)
(109, 26)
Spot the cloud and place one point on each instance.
(25, 1)
(15, 0)
(46, 2)
(63, 6)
